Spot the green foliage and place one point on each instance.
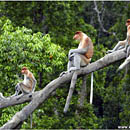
(19, 47)
(49, 120)
(7, 113)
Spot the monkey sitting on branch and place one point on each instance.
(120, 44)
(124, 44)
(27, 86)
(127, 50)
(78, 58)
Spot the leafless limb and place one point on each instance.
(100, 19)
(71, 90)
(82, 93)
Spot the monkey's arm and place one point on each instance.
(34, 84)
(119, 45)
(124, 63)
(79, 51)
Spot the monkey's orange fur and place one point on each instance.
(84, 42)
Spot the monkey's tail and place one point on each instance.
(91, 91)
(124, 63)
(31, 117)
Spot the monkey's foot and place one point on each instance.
(63, 73)
(1, 96)
(30, 96)
(109, 51)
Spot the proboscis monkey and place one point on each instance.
(78, 58)
(84, 52)
(127, 45)
(26, 86)
(127, 49)
(120, 44)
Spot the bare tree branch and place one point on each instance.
(71, 90)
(11, 101)
(82, 93)
(100, 19)
(42, 95)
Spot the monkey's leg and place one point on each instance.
(118, 46)
(127, 51)
(22, 88)
(72, 86)
(76, 63)
(70, 64)
(124, 63)
(17, 90)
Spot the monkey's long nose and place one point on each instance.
(74, 37)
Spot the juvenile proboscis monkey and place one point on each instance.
(27, 86)
(78, 58)
(120, 44)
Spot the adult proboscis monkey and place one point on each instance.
(120, 44)
(78, 58)
(127, 49)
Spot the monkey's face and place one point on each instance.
(77, 35)
(128, 22)
(24, 70)
(128, 28)
(128, 32)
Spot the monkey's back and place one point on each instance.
(89, 43)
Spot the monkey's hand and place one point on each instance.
(71, 52)
(125, 50)
(71, 56)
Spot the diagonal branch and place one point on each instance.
(42, 95)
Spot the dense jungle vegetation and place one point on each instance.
(39, 35)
